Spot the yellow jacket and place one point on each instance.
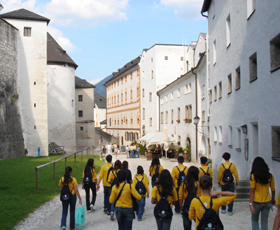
(205, 169)
(93, 174)
(152, 170)
(232, 169)
(175, 173)
(171, 198)
(183, 192)
(103, 174)
(71, 184)
(112, 175)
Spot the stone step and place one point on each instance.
(242, 189)
(247, 200)
(244, 183)
(243, 195)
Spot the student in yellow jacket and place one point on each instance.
(177, 179)
(226, 177)
(189, 189)
(141, 183)
(72, 184)
(164, 188)
(204, 169)
(155, 169)
(103, 175)
(276, 225)
(121, 196)
(112, 179)
(260, 199)
(196, 209)
(89, 182)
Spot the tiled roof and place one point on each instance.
(125, 68)
(25, 15)
(103, 122)
(82, 83)
(57, 55)
(203, 35)
(99, 101)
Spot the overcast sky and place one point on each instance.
(103, 35)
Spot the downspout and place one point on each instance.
(196, 138)
(158, 112)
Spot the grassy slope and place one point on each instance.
(18, 193)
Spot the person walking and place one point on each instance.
(178, 174)
(141, 183)
(155, 169)
(104, 150)
(260, 199)
(204, 169)
(121, 195)
(164, 190)
(89, 182)
(276, 225)
(109, 148)
(127, 151)
(128, 172)
(189, 189)
(71, 182)
(208, 200)
(226, 180)
(103, 175)
(138, 151)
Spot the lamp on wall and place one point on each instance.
(244, 129)
(196, 120)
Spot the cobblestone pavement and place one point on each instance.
(48, 215)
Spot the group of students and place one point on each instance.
(188, 189)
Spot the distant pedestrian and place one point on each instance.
(71, 182)
(226, 177)
(164, 189)
(155, 169)
(276, 225)
(104, 150)
(128, 172)
(127, 151)
(121, 196)
(260, 199)
(109, 148)
(89, 182)
(138, 150)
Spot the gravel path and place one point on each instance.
(48, 216)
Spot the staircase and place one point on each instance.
(243, 191)
(110, 138)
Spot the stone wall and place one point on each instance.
(11, 138)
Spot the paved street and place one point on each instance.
(48, 216)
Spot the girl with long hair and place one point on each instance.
(188, 190)
(155, 169)
(89, 182)
(164, 189)
(121, 196)
(128, 172)
(260, 199)
(208, 199)
(71, 182)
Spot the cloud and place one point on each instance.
(86, 12)
(10, 5)
(62, 41)
(185, 9)
(95, 81)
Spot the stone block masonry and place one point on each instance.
(11, 138)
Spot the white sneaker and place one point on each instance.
(63, 228)
(92, 207)
(230, 213)
(89, 211)
(224, 211)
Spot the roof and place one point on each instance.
(57, 55)
(24, 15)
(125, 68)
(205, 6)
(99, 100)
(203, 35)
(103, 122)
(161, 45)
(82, 83)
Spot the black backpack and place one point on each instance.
(210, 219)
(140, 187)
(88, 177)
(109, 170)
(115, 178)
(181, 176)
(227, 177)
(188, 201)
(65, 195)
(156, 175)
(163, 210)
(205, 173)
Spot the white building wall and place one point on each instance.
(61, 106)
(255, 104)
(99, 115)
(32, 85)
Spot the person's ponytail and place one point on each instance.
(67, 175)
(121, 177)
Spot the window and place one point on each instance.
(150, 97)
(215, 134)
(143, 113)
(127, 136)
(186, 88)
(228, 31)
(152, 74)
(253, 67)
(131, 121)
(125, 95)
(130, 75)
(80, 113)
(166, 117)
(178, 92)
(122, 97)
(138, 72)
(161, 101)
(166, 98)
(215, 93)
(210, 95)
(118, 99)
(161, 118)
(121, 80)
(152, 59)
(151, 121)
(190, 87)
(251, 6)
(178, 114)
(220, 134)
(34, 126)
(237, 78)
(34, 105)
(171, 116)
(125, 78)
(34, 82)
(166, 57)
(27, 32)
(214, 52)
(171, 96)
(80, 97)
(275, 53)
(229, 84)
(143, 92)
(230, 136)
(220, 90)
(188, 113)
(110, 122)
(182, 58)
(203, 116)
(275, 137)
(238, 140)
(81, 128)
(131, 94)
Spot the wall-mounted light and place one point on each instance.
(196, 120)
(244, 129)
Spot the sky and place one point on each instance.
(101, 36)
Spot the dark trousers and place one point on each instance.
(65, 205)
(107, 193)
(230, 188)
(89, 187)
(177, 206)
(124, 217)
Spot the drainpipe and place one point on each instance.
(196, 138)
(158, 112)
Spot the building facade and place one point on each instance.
(99, 109)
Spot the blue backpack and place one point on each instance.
(65, 194)
(115, 179)
(88, 177)
(140, 187)
(181, 177)
(156, 175)
(163, 210)
(205, 173)
(227, 176)
(188, 201)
